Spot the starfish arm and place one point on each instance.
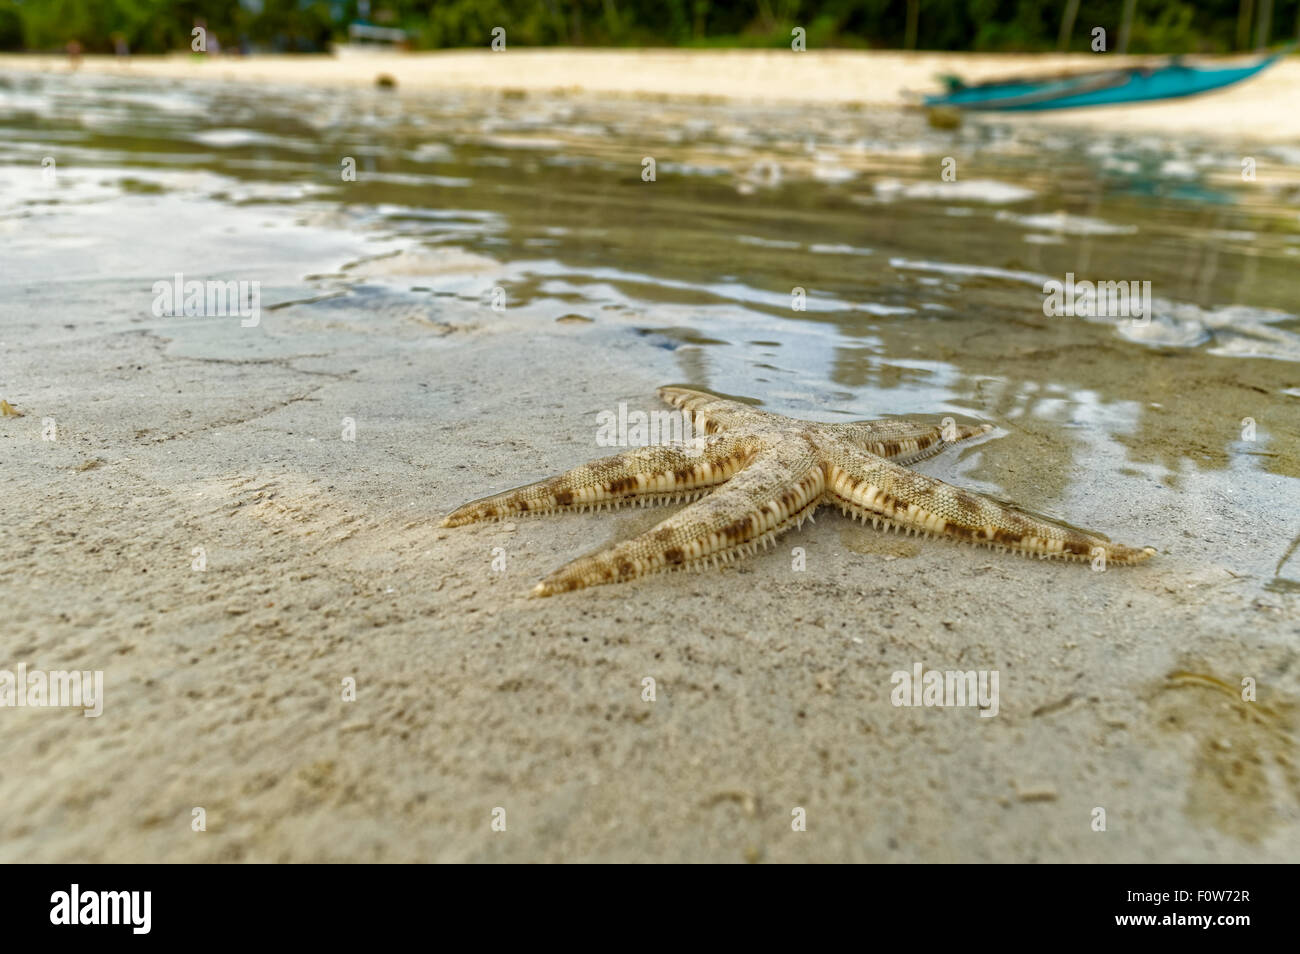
(710, 413)
(777, 491)
(886, 494)
(906, 442)
(655, 474)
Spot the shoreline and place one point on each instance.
(1258, 110)
(239, 526)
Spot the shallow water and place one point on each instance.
(920, 295)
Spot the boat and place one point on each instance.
(1112, 87)
(367, 38)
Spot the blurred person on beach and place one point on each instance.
(206, 41)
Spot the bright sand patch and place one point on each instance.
(1261, 109)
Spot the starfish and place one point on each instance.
(759, 474)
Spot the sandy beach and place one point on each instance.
(306, 464)
(324, 562)
(1260, 110)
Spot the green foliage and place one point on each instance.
(1170, 32)
(154, 26)
(11, 26)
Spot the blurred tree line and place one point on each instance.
(156, 26)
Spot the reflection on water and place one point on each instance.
(918, 295)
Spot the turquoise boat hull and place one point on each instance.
(1106, 88)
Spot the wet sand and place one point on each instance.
(324, 562)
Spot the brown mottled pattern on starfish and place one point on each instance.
(657, 474)
(900, 499)
(761, 474)
(749, 511)
(906, 442)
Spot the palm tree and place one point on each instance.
(1067, 25)
(1126, 25)
(1264, 24)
